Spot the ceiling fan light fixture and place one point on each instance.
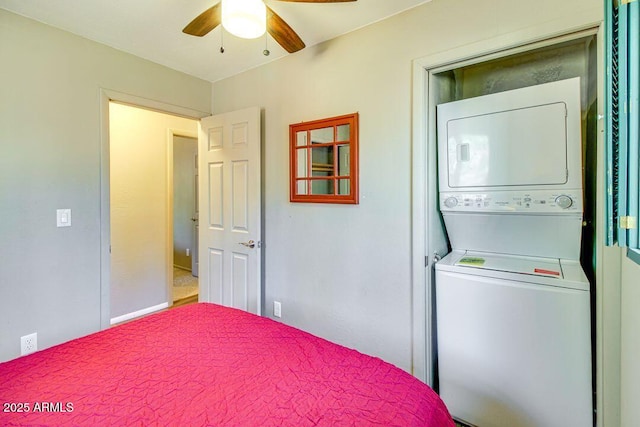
(244, 18)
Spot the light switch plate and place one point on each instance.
(63, 217)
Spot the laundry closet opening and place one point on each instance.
(567, 58)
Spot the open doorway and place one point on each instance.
(141, 146)
(185, 219)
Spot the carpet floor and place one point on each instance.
(184, 284)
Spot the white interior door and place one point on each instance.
(230, 210)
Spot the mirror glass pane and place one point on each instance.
(322, 136)
(344, 186)
(301, 138)
(344, 165)
(343, 133)
(302, 187)
(322, 161)
(322, 186)
(302, 170)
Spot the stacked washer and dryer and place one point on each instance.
(512, 301)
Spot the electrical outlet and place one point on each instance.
(277, 309)
(28, 343)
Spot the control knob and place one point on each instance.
(565, 202)
(451, 202)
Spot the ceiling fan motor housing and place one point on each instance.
(244, 18)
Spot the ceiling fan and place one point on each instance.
(275, 25)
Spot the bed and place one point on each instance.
(204, 364)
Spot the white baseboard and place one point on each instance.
(139, 313)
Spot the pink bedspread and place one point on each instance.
(204, 364)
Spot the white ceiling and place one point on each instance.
(152, 29)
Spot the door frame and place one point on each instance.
(106, 96)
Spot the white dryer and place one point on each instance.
(512, 302)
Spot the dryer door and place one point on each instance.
(521, 139)
(526, 146)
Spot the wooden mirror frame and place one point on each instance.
(304, 173)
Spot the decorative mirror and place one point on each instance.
(324, 160)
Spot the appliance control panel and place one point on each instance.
(534, 201)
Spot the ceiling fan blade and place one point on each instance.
(205, 22)
(283, 33)
(318, 1)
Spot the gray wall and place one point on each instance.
(630, 363)
(50, 127)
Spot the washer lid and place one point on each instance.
(547, 267)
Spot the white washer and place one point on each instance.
(512, 302)
(514, 340)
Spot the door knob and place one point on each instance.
(250, 244)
